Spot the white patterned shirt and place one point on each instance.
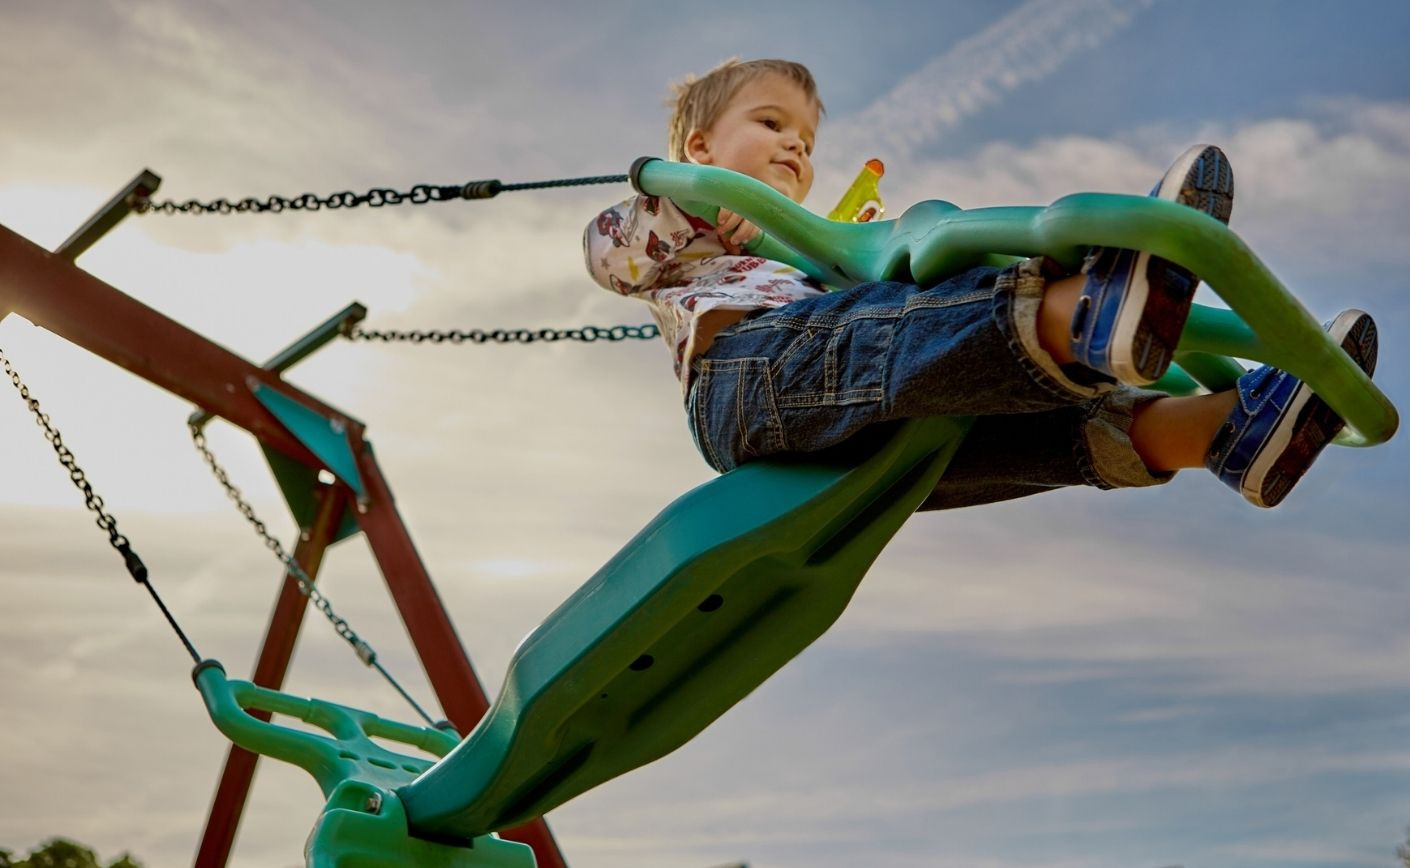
(648, 248)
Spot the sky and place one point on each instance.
(1082, 679)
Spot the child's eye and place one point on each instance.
(770, 123)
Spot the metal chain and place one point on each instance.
(586, 334)
(364, 651)
(80, 480)
(94, 502)
(374, 198)
(138, 570)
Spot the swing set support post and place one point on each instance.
(50, 291)
(278, 649)
(428, 625)
(416, 599)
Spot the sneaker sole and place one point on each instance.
(1289, 451)
(1205, 179)
(1200, 178)
(1164, 304)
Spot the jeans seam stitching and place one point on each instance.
(702, 383)
(933, 301)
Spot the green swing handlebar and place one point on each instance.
(348, 750)
(363, 822)
(933, 240)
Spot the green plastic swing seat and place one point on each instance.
(727, 584)
(738, 576)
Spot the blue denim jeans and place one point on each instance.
(814, 373)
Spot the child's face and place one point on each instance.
(766, 132)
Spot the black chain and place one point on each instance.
(93, 502)
(138, 570)
(374, 198)
(586, 334)
(364, 651)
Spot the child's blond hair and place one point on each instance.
(698, 102)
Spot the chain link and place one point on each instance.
(376, 197)
(364, 651)
(138, 570)
(91, 500)
(586, 334)
(306, 586)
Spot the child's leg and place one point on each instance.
(809, 375)
(1133, 307)
(1055, 318)
(1174, 433)
(1259, 438)
(1278, 426)
(1021, 454)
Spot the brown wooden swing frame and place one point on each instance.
(50, 291)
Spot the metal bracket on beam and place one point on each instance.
(324, 437)
(141, 187)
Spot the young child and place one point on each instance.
(1050, 363)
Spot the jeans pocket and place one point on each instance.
(734, 415)
(858, 354)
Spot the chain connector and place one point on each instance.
(135, 567)
(481, 189)
(365, 653)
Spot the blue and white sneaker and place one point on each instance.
(1279, 426)
(1134, 305)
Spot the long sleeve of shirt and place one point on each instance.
(648, 248)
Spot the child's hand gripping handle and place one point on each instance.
(696, 189)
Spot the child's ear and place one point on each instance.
(697, 148)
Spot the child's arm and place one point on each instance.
(634, 246)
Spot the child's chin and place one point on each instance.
(790, 192)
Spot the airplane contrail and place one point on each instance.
(1027, 45)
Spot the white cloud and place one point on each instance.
(1316, 196)
(935, 796)
(1309, 851)
(1079, 605)
(1026, 45)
